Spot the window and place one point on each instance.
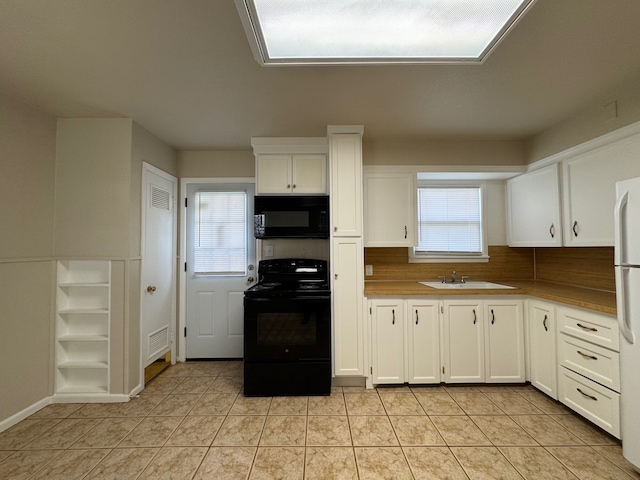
(450, 224)
(220, 233)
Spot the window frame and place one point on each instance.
(416, 256)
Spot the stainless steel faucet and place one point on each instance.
(453, 278)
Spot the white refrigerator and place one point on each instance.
(627, 271)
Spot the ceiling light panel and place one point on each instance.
(377, 31)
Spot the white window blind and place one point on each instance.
(220, 233)
(450, 220)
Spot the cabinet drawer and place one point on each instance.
(597, 363)
(592, 327)
(592, 401)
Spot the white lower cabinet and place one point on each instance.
(388, 341)
(423, 341)
(463, 342)
(405, 341)
(542, 348)
(504, 341)
(589, 366)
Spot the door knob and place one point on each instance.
(151, 288)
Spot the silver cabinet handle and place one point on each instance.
(586, 395)
(590, 357)
(475, 317)
(589, 329)
(405, 231)
(416, 317)
(552, 231)
(575, 225)
(544, 324)
(393, 313)
(493, 317)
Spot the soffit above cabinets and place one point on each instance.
(330, 32)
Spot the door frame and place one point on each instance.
(147, 168)
(182, 293)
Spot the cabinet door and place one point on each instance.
(390, 210)
(388, 341)
(542, 348)
(346, 184)
(423, 341)
(309, 174)
(533, 209)
(504, 341)
(589, 190)
(463, 342)
(347, 287)
(273, 174)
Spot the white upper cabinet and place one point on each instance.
(291, 165)
(589, 190)
(533, 209)
(304, 174)
(390, 209)
(346, 184)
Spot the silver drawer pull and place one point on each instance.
(588, 396)
(590, 329)
(590, 357)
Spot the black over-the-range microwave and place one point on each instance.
(292, 216)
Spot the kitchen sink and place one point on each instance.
(466, 286)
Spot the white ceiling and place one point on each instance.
(184, 71)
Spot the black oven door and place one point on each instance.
(287, 329)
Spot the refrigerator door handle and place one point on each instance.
(621, 202)
(621, 303)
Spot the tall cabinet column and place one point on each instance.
(347, 254)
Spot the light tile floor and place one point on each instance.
(192, 422)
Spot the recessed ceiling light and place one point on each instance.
(320, 32)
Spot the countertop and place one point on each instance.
(597, 300)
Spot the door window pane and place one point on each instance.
(220, 233)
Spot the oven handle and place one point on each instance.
(322, 298)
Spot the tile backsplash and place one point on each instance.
(587, 267)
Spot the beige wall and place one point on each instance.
(93, 168)
(589, 123)
(442, 152)
(211, 164)
(27, 162)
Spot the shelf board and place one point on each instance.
(83, 285)
(76, 364)
(91, 311)
(71, 389)
(83, 338)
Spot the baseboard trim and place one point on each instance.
(136, 390)
(21, 415)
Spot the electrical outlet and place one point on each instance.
(368, 270)
(268, 250)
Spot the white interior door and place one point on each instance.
(220, 255)
(158, 264)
